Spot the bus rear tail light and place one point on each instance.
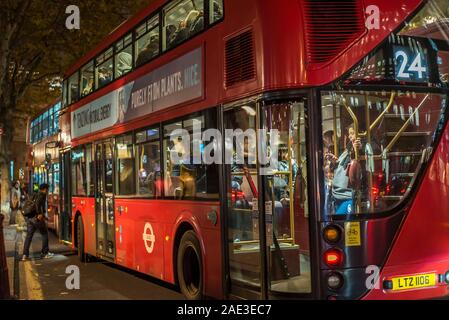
(333, 257)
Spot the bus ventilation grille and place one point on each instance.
(331, 26)
(239, 55)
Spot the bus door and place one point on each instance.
(242, 210)
(104, 200)
(266, 211)
(65, 221)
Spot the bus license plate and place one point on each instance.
(414, 281)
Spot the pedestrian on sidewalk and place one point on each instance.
(14, 202)
(37, 221)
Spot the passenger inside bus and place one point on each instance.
(183, 30)
(104, 76)
(88, 86)
(187, 26)
(124, 63)
(151, 50)
(346, 174)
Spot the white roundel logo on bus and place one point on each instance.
(148, 237)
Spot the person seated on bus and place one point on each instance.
(170, 34)
(342, 192)
(124, 63)
(151, 50)
(104, 76)
(184, 25)
(197, 25)
(88, 87)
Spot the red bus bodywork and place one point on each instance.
(282, 62)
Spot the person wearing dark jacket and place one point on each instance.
(37, 222)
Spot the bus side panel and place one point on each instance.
(140, 235)
(421, 245)
(124, 234)
(90, 230)
(145, 233)
(86, 207)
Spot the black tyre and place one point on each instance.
(190, 267)
(80, 239)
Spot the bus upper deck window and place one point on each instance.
(104, 69)
(73, 88)
(430, 22)
(182, 20)
(87, 79)
(147, 41)
(123, 56)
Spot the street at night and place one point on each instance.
(46, 278)
(223, 158)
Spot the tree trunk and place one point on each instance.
(5, 188)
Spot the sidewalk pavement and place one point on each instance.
(35, 274)
(11, 234)
(21, 275)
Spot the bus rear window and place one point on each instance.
(374, 144)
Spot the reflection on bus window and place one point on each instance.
(56, 178)
(215, 10)
(147, 40)
(443, 65)
(87, 79)
(148, 163)
(287, 215)
(183, 19)
(125, 165)
(374, 145)
(430, 22)
(189, 178)
(78, 173)
(90, 170)
(108, 163)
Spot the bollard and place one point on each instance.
(4, 280)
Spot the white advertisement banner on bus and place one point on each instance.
(176, 82)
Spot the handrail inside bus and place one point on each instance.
(405, 125)
(390, 104)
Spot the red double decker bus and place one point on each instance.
(43, 164)
(355, 93)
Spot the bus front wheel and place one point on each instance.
(190, 267)
(80, 239)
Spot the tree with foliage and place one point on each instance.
(35, 50)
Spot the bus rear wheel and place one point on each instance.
(80, 239)
(190, 267)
